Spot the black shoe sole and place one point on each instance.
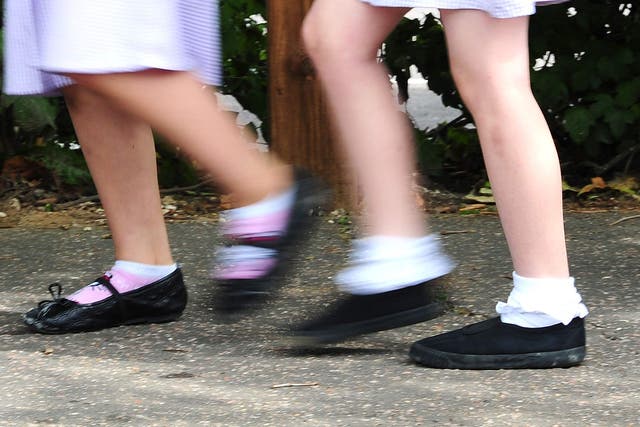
(350, 330)
(40, 328)
(544, 360)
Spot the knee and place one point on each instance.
(311, 35)
(79, 98)
(336, 48)
(491, 88)
(320, 47)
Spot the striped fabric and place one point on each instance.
(496, 8)
(46, 37)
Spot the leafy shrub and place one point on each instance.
(589, 81)
(244, 49)
(450, 151)
(586, 78)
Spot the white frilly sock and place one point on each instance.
(381, 264)
(537, 303)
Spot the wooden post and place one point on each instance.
(300, 125)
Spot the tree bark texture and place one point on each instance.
(300, 124)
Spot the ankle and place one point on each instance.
(387, 263)
(279, 179)
(540, 302)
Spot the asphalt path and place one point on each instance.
(204, 371)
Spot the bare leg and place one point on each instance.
(541, 325)
(120, 153)
(175, 104)
(490, 63)
(343, 37)
(393, 268)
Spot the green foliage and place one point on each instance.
(67, 166)
(32, 114)
(244, 49)
(586, 79)
(421, 44)
(450, 147)
(174, 170)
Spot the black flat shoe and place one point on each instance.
(236, 296)
(158, 302)
(492, 344)
(362, 314)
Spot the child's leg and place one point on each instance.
(392, 268)
(120, 153)
(541, 326)
(343, 38)
(490, 62)
(176, 105)
(273, 211)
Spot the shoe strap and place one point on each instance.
(106, 282)
(272, 241)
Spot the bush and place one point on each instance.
(588, 81)
(450, 152)
(586, 78)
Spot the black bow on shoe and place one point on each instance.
(54, 294)
(55, 289)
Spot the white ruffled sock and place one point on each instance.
(537, 303)
(382, 264)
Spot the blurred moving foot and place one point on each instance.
(357, 315)
(261, 239)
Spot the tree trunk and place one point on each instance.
(300, 124)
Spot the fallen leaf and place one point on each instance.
(446, 232)
(479, 198)
(226, 201)
(596, 183)
(473, 207)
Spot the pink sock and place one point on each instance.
(258, 228)
(249, 225)
(125, 277)
(267, 218)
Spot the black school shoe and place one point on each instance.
(158, 302)
(492, 344)
(237, 296)
(362, 314)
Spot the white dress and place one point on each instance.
(46, 37)
(496, 8)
